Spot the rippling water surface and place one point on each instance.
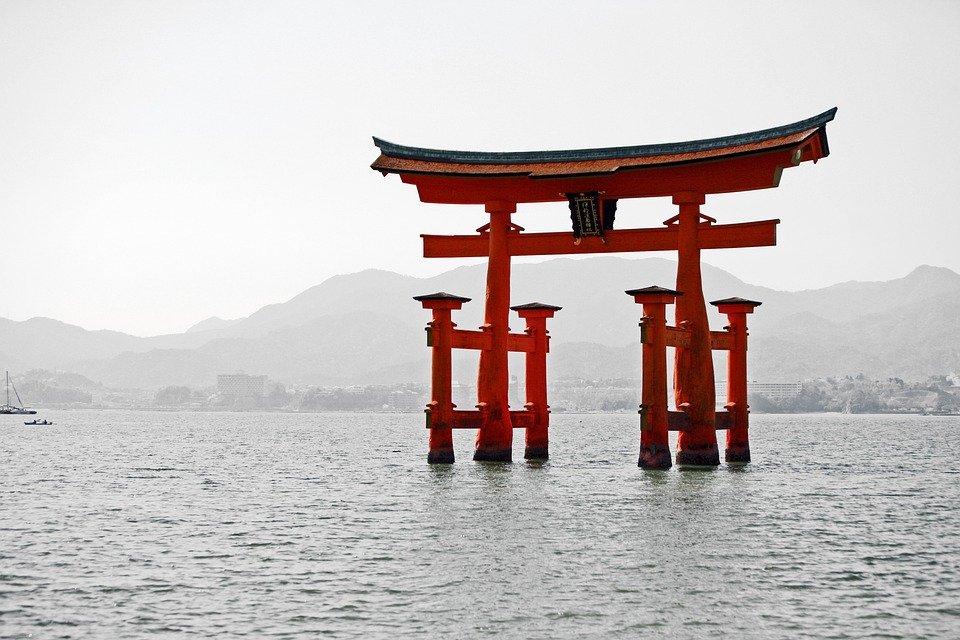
(138, 524)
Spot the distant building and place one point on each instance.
(770, 390)
(464, 395)
(240, 385)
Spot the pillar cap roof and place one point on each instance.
(441, 295)
(653, 291)
(735, 300)
(535, 305)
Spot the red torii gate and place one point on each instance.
(592, 181)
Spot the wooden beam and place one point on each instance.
(721, 340)
(481, 340)
(762, 233)
(467, 339)
(678, 338)
(469, 419)
(680, 421)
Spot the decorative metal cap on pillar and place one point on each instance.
(735, 305)
(441, 300)
(536, 310)
(654, 295)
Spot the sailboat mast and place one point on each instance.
(19, 401)
(8, 388)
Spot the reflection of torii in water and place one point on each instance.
(592, 181)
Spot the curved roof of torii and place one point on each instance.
(717, 165)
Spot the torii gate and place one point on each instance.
(591, 181)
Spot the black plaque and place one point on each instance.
(585, 214)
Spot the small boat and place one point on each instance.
(10, 409)
(43, 422)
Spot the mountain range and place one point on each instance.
(364, 328)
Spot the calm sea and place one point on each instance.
(137, 524)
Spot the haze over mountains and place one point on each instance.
(364, 328)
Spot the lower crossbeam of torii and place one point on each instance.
(591, 182)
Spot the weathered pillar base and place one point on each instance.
(440, 456)
(536, 453)
(699, 456)
(654, 457)
(493, 455)
(737, 455)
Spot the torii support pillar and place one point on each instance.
(654, 416)
(495, 436)
(738, 438)
(439, 339)
(537, 443)
(693, 384)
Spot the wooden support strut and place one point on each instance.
(738, 438)
(654, 417)
(536, 441)
(653, 331)
(439, 412)
(443, 337)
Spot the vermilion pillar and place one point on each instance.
(693, 383)
(440, 410)
(654, 443)
(738, 439)
(537, 437)
(495, 435)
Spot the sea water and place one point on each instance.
(123, 524)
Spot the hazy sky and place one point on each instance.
(162, 162)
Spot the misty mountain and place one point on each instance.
(365, 328)
(851, 300)
(335, 350)
(43, 343)
(211, 324)
(911, 341)
(590, 291)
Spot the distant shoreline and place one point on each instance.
(417, 412)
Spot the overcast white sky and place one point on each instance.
(162, 162)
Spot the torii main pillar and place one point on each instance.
(495, 435)
(693, 380)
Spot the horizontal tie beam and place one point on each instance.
(482, 340)
(474, 419)
(762, 233)
(679, 338)
(680, 420)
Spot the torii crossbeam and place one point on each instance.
(591, 181)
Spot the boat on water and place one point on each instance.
(43, 422)
(10, 409)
